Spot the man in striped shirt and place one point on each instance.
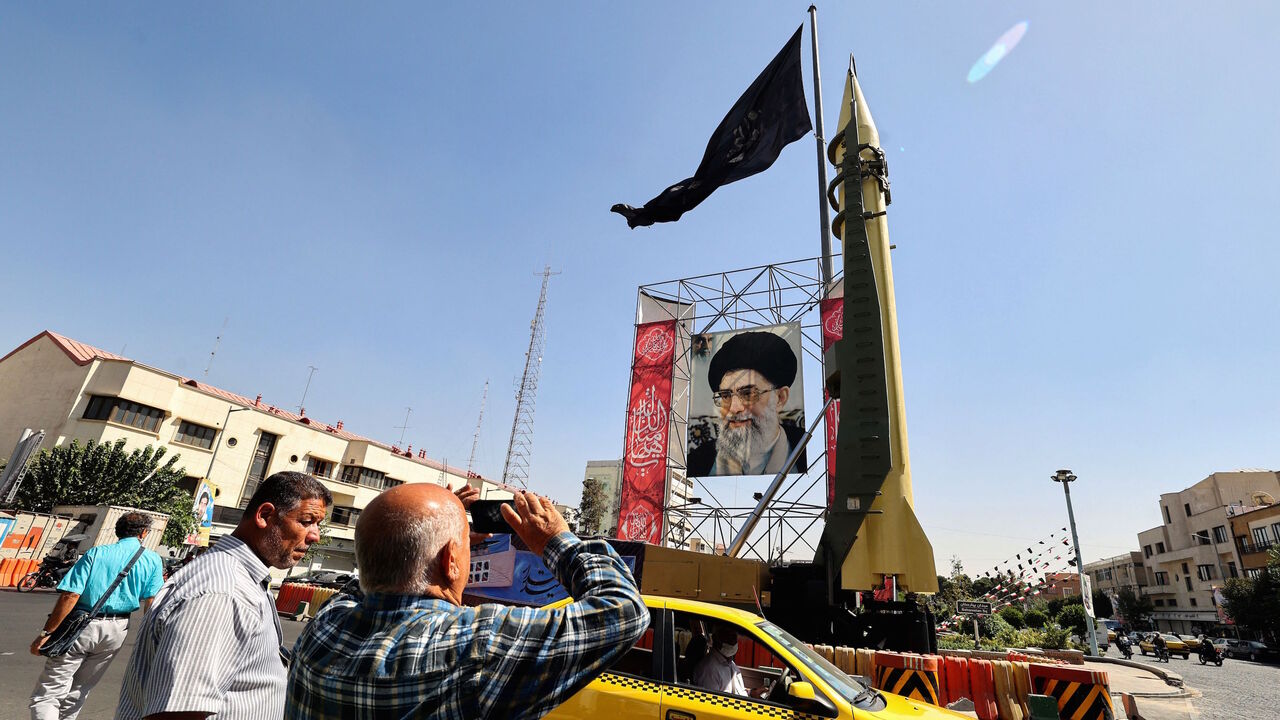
(408, 647)
(211, 645)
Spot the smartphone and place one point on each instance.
(486, 516)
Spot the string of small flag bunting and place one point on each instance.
(1013, 586)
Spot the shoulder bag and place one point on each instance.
(65, 635)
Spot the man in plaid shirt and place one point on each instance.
(409, 647)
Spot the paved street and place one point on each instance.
(1236, 691)
(1239, 690)
(23, 617)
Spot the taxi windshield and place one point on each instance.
(832, 675)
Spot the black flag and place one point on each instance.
(770, 115)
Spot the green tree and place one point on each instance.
(1102, 605)
(1056, 604)
(1254, 603)
(1035, 619)
(106, 474)
(1135, 609)
(1072, 617)
(595, 501)
(956, 586)
(1013, 616)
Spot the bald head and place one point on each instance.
(407, 537)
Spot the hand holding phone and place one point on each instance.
(534, 519)
(486, 516)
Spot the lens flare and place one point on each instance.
(1002, 47)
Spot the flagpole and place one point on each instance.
(824, 211)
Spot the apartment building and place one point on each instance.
(1060, 585)
(1121, 572)
(75, 391)
(1256, 530)
(1193, 551)
(608, 474)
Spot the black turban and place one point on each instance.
(764, 352)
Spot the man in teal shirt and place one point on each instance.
(65, 683)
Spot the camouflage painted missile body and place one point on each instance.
(871, 530)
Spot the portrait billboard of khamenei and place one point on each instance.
(746, 406)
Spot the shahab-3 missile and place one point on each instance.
(871, 532)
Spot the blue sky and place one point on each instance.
(1085, 258)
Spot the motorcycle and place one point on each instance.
(48, 575)
(1126, 648)
(1162, 654)
(1210, 655)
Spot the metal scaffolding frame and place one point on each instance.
(738, 300)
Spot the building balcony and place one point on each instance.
(1248, 548)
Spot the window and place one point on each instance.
(1159, 602)
(1231, 570)
(1252, 572)
(1187, 508)
(125, 412)
(1275, 531)
(368, 477)
(640, 660)
(1204, 572)
(1260, 537)
(695, 641)
(1162, 578)
(1066, 591)
(1193, 602)
(190, 433)
(1186, 580)
(319, 467)
(1159, 548)
(1184, 569)
(1166, 514)
(227, 515)
(1173, 602)
(1220, 534)
(345, 516)
(1146, 550)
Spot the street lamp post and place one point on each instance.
(1066, 477)
(221, 439)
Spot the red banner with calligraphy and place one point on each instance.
(832, 313)
(644, 459)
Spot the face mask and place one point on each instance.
(729, 650)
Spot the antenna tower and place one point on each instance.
(216, 342)
(515, 471)
(475, 439)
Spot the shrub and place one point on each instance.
(1054, 637)
(965, 642)
(1013, 616)
(993, 626)
(1035, 619)
(1073, 619)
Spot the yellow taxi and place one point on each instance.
(782, 676)
(1172, 643)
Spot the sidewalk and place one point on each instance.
(1155, 699)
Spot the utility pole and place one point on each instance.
(515, 471)
(1066, 477)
